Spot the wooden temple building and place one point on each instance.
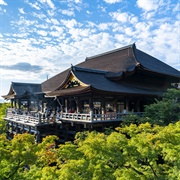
(92, 95)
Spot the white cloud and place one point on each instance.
(124, 17)
(112, 1)
(24, 22)
(149, 15)
(88, 12)
(68, 12)
(176, 8)
(133, 20)
(103, 26)
(147, 5)
(55, 21)
(48, 2)
(153, 5)
(102, 8)
(21, 10)
(42, 33)
(121, 17)
(35, 5)
(70, 23)
(51, 12)
(57, 32)
(39, 15)
(77, 34)
(2, 2)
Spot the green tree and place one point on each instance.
(141, 152)
(132, 152)
(3, 107)
(165, 111)
(16, 155)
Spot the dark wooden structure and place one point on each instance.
(25, 95)
(98, 92)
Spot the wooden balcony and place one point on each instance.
(90, 118)
(34, 119)
(37, 119)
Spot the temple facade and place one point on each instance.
(91, 95)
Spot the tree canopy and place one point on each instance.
(130, 152)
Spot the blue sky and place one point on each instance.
(44, 37)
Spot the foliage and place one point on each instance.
(133, 152)
(162, 112)
(3, 107)
(165, 111)
(141, 152)
(16, 155)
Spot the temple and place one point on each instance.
(91, 95)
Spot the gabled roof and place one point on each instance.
(96, 81)
(18, 89)
(54, 82)
(152, 64)
(100, 69)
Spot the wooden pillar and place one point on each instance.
(91, 106)
(115, 105)
(62, 104)
(42, 105)
(66, 105)
(12, 103)
(19, 103)
(103, 108)
(15, 103)
(28, 104)
(138, 106)
(79, 105)
(127, 105)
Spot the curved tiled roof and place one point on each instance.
(19, 89)
(150, 63)
(114, 64)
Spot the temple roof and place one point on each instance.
(99, 71)
(18, 89)
(96, 81)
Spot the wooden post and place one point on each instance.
(19, 103)
(12, 103)
(115, 105)
(127, 105)
(15, 103)
(28, 104)
(42, 104)
(79, 105)
(103, 108)
(66, 105)
(138, 106)
(91, 106)
(39, 118)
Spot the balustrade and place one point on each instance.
(38, 118)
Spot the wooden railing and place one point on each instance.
(75, 117)
(38, 118)
(91, 117)
(23, 118)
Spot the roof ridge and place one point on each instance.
(109, 52)
(25, 83)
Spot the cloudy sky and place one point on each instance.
(40, 38)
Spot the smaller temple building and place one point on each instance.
(92, 95)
